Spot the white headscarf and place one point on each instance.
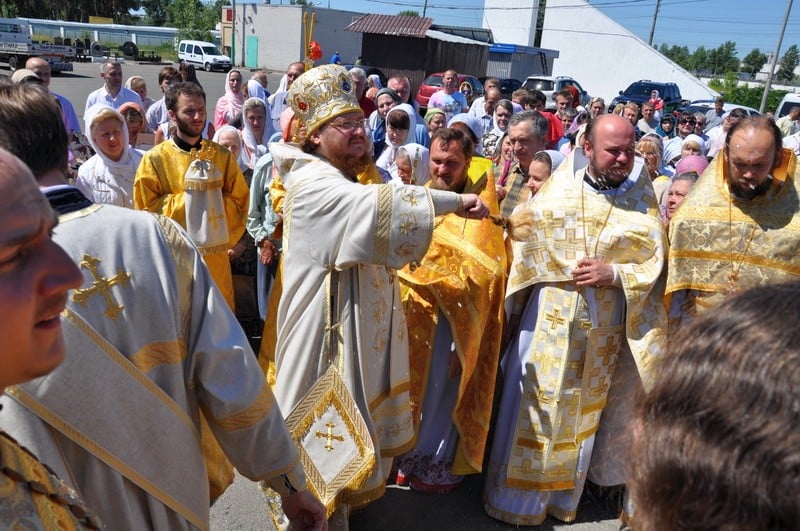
(229, 128)
(386, 160)
(257, 147)
(122, 165)
(419, 157)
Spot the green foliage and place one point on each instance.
(717, 61)
(301, 3)
(194, 18)
(408, 13)
(73, 10)
(730, 89)
(788, 63)
(753, 61)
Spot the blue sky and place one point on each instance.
(749, 23)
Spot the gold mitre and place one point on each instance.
(321, 94)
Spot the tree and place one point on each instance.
(754, 61)
(700, 60)
(408, 13)
(194, 18)
(788, 64)
(678, 54)
(730, 89)
(156, 12)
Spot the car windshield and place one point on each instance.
(788, 106)
(433, 81)
(211, 50)
(643, 90)
(539, 84)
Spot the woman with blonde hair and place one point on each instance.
(139, 86)
(107, 177)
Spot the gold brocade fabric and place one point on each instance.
(462, 275)
(159, 188)
(715, 234)
(34, 507)
(572, 356)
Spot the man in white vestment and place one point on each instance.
(586, 311)
(342, 244)
(151, 343)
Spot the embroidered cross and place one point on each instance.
(555, 319)
(214, 218)
(330, 437)
(101, 285)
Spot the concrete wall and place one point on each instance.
(511, 21)
(605, 57)
(279, 29)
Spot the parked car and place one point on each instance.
(433, 83)
(786, 104)
(639, 92)
(706, 105)
(204, 55)
(507, 85)
(551, 86)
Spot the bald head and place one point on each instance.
(41, 68)
(610, 148)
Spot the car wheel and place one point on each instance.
(208, 67)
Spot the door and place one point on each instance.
(251, 52)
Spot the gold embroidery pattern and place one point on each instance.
(383, 227)
(159, 353)
(202, 186)
(101, 285)
(251, 415)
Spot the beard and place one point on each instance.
(612, 177)
(744, 191)
(351, 165)
(188, 130)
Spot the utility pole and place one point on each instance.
(774, 61)
(653, 27)
(425, 8)
(233, 33)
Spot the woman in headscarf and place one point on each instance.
(230, 137)
(139, 86)
(666, 127)
(435, 119)
(229, 106)
(373, 86)
(412, 164)
(384, 101)
(134, 121)
(107, 177)
(502, 114)
(400, 122)
(256, 132)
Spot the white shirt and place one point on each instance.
(101, 95)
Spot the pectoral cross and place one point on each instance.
(214, 218)
(101, 285)
(330, 437)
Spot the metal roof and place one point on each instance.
(447, 37)
(475, 34)
(401, 26)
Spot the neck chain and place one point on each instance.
(602, 227)
(732, 286)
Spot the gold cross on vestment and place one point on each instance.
(330, 437)
(101, 285)
(214, 218)
(555, 319)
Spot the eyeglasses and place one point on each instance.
(347, 127)
(688, 121)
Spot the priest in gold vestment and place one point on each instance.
(739, 227)
(196, 182)
(585, 305)
(453, 300)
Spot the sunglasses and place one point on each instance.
(688, 121)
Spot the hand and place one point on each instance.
(501, 192)
(304, 511)
(236, 251)
(593, 272)
(268, 252)
(472, 207)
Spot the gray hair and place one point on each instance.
(538, 123)
(358, 72)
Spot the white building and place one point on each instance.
(512, 21)
(600, 53)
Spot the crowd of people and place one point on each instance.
(548, 298)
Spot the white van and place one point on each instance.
(790, 100)
(204, 55)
